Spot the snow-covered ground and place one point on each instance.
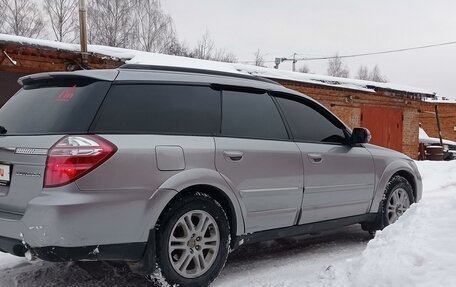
(418, 250)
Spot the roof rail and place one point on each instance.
(195, 70)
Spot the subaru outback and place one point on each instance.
(169, 169)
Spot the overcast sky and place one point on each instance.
(325, 27)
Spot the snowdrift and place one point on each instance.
(419, 249)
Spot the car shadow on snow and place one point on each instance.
(288, 251)
(244, 259)
(73, 274)
(305, 245)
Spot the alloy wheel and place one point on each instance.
(194, 243)
(398, 202)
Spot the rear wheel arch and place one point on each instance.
(234, 214)
(193, 203)
(211, 181)
(221, 197)
(234, 219)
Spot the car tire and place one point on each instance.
(193, 241)
(397, 199)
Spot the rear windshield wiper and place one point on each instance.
(3, 130)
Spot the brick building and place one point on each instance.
(391, 112)
(447, 116)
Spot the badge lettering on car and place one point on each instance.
(28, 174)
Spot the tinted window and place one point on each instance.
(163, 109)
(307, 124)
(66, 106)
(252, 116)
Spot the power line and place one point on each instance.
(361, 54)
(382, 52)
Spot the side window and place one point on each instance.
(307, 124)
(162, 109)
(251, 115)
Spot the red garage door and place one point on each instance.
(385, 125)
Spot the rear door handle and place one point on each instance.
(315, 157)
(233, 155)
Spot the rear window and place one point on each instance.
(160, 109)
(57, 107)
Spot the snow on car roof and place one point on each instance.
(138, 57)
(422, 134)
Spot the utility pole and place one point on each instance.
(294, 62)
(278, 61)
(83, 33)
(438, 124)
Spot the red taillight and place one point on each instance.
(74, 156)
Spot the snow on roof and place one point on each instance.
(139, 57)
(439, 100)
(117, 53)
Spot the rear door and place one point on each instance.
(338, 178)
(32, 121)
(257, 159)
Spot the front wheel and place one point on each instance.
(397, 199)
(193, 239)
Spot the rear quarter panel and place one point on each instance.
(133, 173)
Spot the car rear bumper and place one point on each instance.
(65, 225)
(53, 233)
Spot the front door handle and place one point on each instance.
(315, 158)
(233, 155)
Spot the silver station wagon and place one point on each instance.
(169, 169)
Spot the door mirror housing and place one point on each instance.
(360, 136)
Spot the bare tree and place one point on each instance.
(221, 55)
(259, 59)
(204, 48)
(112, 23)
(63, 18)
(177, 48)
(22, 18)
(363, 73)
(336, 68)
(155, 29)
(304, 69)
(376, 76)
(230, 58)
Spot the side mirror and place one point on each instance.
(360, 136)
